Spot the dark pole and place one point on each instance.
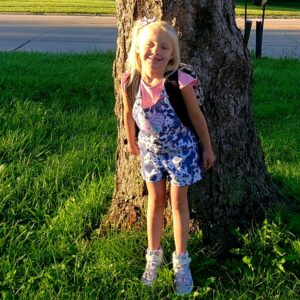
(263, 15)
(260, 26)
(246, 5)
(258, 38)
(259, 32)
(247, 26)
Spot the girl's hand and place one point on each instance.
(208, 158)
(133, 149)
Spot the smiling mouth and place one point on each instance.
(154, 59)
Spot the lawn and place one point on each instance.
(94, 7)
(57, 163)
(275, 8)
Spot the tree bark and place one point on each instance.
(238, 189)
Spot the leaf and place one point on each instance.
(278, 250)
(247, 261)
(296, 246)
(280, 265)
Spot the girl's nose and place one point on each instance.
(156, 50)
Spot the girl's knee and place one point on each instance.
(157, 201)
(179, 198)
(180, 205)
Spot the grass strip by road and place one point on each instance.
(57, 151)
(275, 8)
(94, 7)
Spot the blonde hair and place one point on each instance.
(133, 63)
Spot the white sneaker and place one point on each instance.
(183, 277)
(153, 261)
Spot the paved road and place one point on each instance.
(54, 33)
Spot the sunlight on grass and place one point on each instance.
(276, 111)
(274, 8)
(277, 8)
(57, 151)
(59, 6)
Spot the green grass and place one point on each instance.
(279, 121)
(97, 7)
(57, 151)
(274, 8)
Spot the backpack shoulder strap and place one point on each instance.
(176, 98)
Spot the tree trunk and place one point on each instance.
(238, 189)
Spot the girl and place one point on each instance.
(167, 148)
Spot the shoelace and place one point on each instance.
(150, 271)
(182, 275)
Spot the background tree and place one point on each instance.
(238, 189)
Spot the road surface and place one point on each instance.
(79, 34)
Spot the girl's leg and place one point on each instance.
(181, 259)
(181, 215)
(155, 222)
(155, 212)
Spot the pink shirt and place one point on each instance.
(151, 94)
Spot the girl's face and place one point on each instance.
(155, 50)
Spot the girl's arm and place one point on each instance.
(129, 124)
(198, 120)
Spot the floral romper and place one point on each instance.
(168, 149)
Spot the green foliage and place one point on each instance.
(57, 148)
(268, 248)
(270, 260)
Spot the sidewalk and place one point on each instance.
(281, 37)
(77, 34)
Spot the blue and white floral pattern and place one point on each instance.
(168, 149)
